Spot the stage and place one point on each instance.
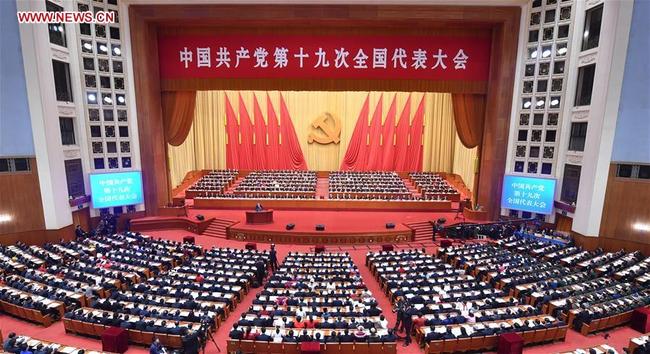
(323, 204)
(341, 227)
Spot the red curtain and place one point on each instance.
(387, 138)
(246, 145)
(290, 147)
(355, 156)
(273, 148)
(232, 128)
(414, 163)
(401, 149)
(259, 158)
(402, 137)
(248, 148)
(178, 114)
(374, 138)
(469, 112)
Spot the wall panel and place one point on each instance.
(20, 198)
(627, 201)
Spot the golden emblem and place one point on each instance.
(330, 125)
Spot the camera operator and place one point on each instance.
(195, 340)
(190, 339)
(156, 347)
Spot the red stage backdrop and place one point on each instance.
(332, 57)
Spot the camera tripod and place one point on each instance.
(208, 336)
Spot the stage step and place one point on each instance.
(322, 188)
(412, 188)
(234, 184)
(217, 228)
(423, 230)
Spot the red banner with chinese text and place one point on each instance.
(316, 57)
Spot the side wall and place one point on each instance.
(21, 200)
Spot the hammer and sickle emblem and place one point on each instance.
(332, 130)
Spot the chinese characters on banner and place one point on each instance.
(116, 189)
(528, 194)
(311, 57)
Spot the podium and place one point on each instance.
(640, 320)
(510, 343)
(115, 339)
(259, 217)
(476, 215)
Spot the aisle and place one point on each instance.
(359, 258)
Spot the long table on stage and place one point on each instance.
(324, 204)
(259, 217)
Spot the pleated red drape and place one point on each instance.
(246, 132)
(290, 147)
(415, 151)
(388, 137)
(273, 147)
(355, 155)
(262, 146)
(232, 129)
(178, 114)
(259, 158)
(402, 137)
(374, 138)
(469, 111)
(386, 148)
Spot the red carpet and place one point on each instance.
(335, 221)
(619, 337)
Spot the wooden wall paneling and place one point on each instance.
(20, 195)
(627, 201)
(38, 237)
(610, 244)
(153, 150)
(81, 217)
(497, 115)
(563, 223)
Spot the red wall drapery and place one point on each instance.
(414, 162)
(402, 137)
(259, 158)
(355, 156)
(246, 133)
(232, 129)
(374, 138)
(469, 111)
(401, 149)
(178, 114)
(273, 147)
(388, 138)
(290, 147)
(262, 146)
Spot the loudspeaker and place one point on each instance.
(290, 226)
(200, 217)
(320, 227)
(390, 225)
